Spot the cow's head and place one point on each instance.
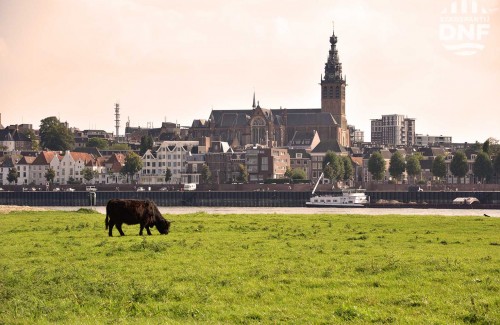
(163, 226)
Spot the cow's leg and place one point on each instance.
(110, 231)
(142, 228)
(119, 227)
(148, 231)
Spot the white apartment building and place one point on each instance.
(24, 167)
(172, 155)
(425, 140)
(71, 166)
(394, 130)
(40, 166)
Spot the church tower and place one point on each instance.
(333, 92)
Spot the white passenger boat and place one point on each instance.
(347, 198)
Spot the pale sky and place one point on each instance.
(175, 60)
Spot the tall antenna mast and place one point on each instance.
(117, 120)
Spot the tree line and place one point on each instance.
(483, 167)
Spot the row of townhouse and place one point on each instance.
(185, 159)
(68, 167)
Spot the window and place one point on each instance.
(337, 92)
(258, 130)
(265, 163)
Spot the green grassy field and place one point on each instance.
(61, 267)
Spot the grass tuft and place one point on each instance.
(87, 211)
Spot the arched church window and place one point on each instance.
(258, 130)
(330, 92)
(324, 91)
(337, 92)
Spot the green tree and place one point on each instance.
(486, 147)
(413, 167)
(348, 170)
(496, 164)
(54, 135)
(89, 174)
(333, 166)
(50, 175)
(168, 175)
(73, 181)
(119, 146)
(494, 147)
(397, 165)
(376, 165)
(298, 173)
(483, 168)
(99, 143)
(439, 167)
(206, 174)
(146, 144)
(13, 175)
(133, 164)
(243, 174)
(473, 148)
(458, 165)
(288, 172)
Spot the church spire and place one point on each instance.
(253, 104)
(333, 67)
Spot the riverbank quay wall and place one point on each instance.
(226, 199)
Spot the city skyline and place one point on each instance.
(176, 61)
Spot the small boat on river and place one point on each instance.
(353, 198)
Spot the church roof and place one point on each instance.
(296, 110)
(302, 138)
(295, 117)
(232, 119)
(310, 119)
(329, 145)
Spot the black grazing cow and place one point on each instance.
(132, 212)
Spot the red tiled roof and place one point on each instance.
(45, 157)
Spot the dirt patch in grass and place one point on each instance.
(11, 208)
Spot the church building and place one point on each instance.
(277, 127)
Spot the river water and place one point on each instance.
(304, 210)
